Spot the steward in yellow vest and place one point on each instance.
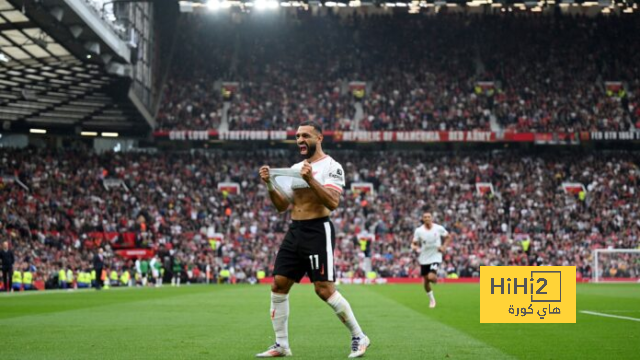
(113, 276)
(27, 280)
(124, 278)
(62, 279)
(16, 280)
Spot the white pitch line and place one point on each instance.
(611, 316)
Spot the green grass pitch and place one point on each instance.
(232, 322)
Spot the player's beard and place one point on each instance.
(311, 150)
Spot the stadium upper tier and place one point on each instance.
(173, 201)
(522, 73)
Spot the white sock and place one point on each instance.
(342, 308)
(280, 317)
(430, 293)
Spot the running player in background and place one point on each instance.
(308, 245)
(427, 239)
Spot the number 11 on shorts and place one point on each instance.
(317, 263)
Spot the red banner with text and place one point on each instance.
(405, 136)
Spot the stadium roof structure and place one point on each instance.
(416, 6)
(60, 85)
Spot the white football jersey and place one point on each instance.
(430, 240)
(326, 171)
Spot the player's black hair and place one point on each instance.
(316, 126)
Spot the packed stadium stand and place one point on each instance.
(170, 203)
(545, 73)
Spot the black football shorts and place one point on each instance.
(426, 269)
(307, 249)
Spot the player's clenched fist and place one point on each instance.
(264, 174)
(414, 246)
(306, 171)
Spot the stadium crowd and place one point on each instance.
(548, 72)
(172, 205)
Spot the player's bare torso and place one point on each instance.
(306, 205)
